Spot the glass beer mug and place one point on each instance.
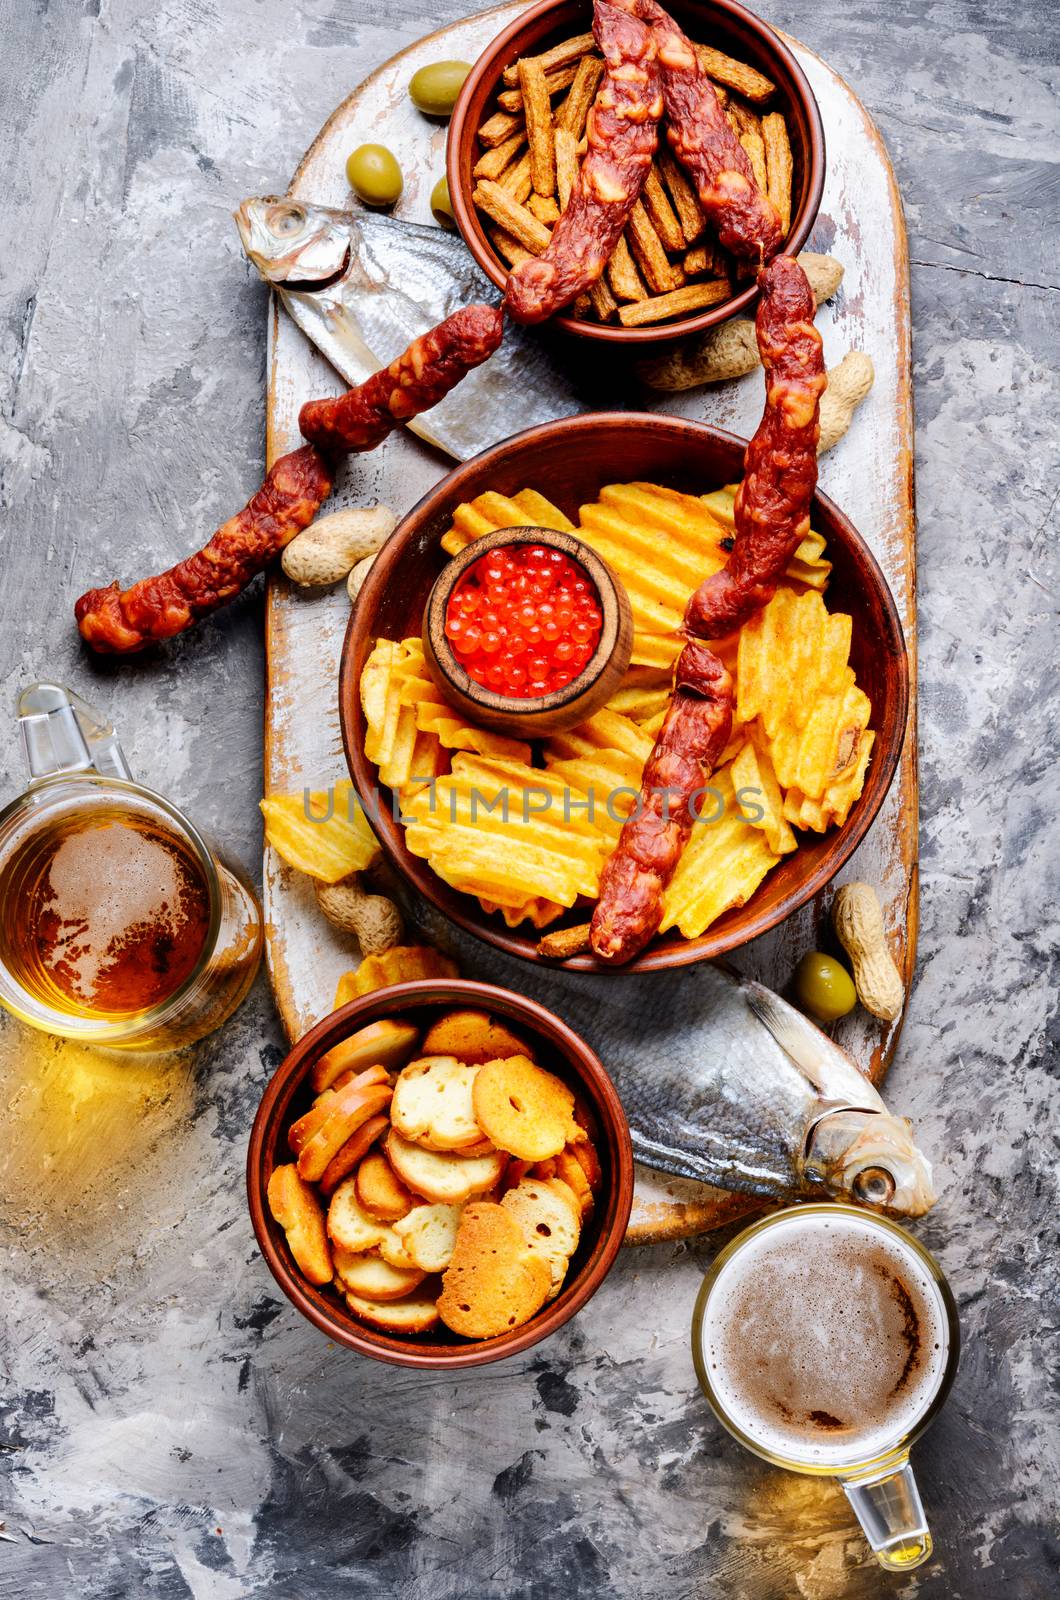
(119, 924)
(826, 1339)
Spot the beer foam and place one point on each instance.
(825, 1339)
(103, 882)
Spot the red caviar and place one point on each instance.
(524, 620)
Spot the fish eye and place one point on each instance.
(874, 1186)
(287, 219)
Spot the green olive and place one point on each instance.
(433, 90)
(441, 205)
(374, 175)
(824, 987)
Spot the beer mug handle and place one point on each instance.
(892, 1516)
(63, 733)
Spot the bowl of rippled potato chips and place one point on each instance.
(508, 837)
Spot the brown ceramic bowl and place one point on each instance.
(558, 1048)
(571, 461)
(723, 24)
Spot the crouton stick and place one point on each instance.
(708, 149)
(749, 132)
(622, 274)
(512, 217)
(692, 297)
(564, 942)
(561, 55)
(603, 301)
(512, 99)
(544, 208)
(574, 110)
(566, 165)
(698, 260)
(754, 86)
(664, 218)
(660, 274)
(688, 208)
(778, 165)
(495, 161)
(498, 128)
(538, 111)
(511, 250)
(623, 134)
(516, 180)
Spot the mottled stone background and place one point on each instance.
(170, 1428)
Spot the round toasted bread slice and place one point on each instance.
(297, 1210)
(548, 1214)
(484, 1147)
(387, 1044)
(473, 1037)
(432, 1104)
(523, 1109)
(493, 1282)
(376, 1279)
(567, 1167)
(417, 1313)
(350, 1226)
(442, 1176)
(301, 1131)
(392, 1249)
(429, 1235)
(351, 1108)
(589, 1161)
(352, 1152)
(380, 1191)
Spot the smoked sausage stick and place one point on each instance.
(747, 222)
(622, 133)
(772, 509)
(772, 517)
(422, 375)
(119, 622)
(694, 733)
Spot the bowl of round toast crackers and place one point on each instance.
(440, 1174)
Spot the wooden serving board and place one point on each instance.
(869, 474)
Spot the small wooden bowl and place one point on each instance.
(571, 461)
(559, 1049)
(538, 715)
(724, 24)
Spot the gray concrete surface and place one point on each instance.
(169, 1427)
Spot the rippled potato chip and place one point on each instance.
(661, 544)
(814, 757)
(538, 912)
(602, 759)
(762, 804)
(507, 832)
(798, 751)
(400, 964)
(323, 832)
(722, 866)
(790, 654)
(835, 804)
(490, 511)
(411, 726)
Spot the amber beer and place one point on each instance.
(103, 914)
(826, 1338)
(118, 924)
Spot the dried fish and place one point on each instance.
(362, 287)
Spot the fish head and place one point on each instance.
(870, 1157)
(290, 241)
